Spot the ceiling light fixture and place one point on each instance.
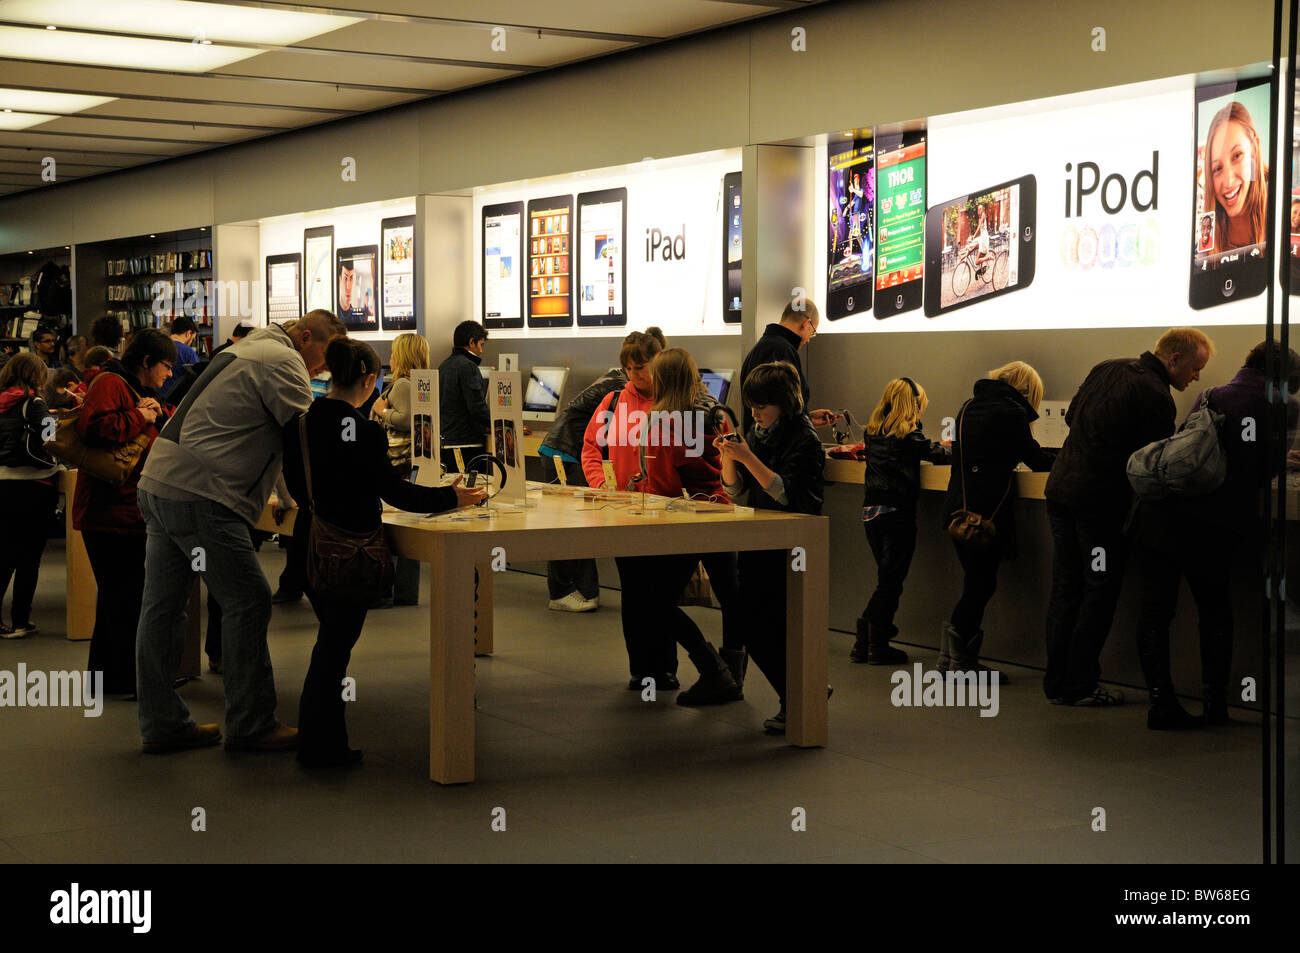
(49, 27)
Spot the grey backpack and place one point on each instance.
(1188, 464)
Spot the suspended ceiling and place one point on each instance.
(100, 85)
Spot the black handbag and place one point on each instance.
(340, 562)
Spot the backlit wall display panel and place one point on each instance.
(397, 274)
(602, 258)
(550, 262)
(356, 288)
(502, 265)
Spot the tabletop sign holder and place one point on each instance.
(426, 440)
(506, 433)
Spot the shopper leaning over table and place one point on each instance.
(895, 447)
(393, 410)
(122, 401)
(206, 482)
(573, 584)
(27, 490)
(778, 466)
(993, 435)
(348, 480)
(682, 463)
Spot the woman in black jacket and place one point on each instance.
(350, 474)
(895, 447)
(993, 435)
(778, 466)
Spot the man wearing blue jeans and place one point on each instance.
(206, 481)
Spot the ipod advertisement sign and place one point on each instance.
(1069, 212)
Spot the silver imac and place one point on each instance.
(543, 392)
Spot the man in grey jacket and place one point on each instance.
(206, 480)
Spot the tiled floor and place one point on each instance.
(586, 771)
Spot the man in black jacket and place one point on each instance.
(1122, 405)
(463, 410)
(782, 342)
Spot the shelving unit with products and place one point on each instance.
(22, 304)
(147, 281)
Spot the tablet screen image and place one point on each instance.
(318, 269)
(503, 273)
(398, 274)
(356, 287)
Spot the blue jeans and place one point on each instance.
(176, 530)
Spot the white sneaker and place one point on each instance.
(574, 602)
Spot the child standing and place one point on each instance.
(895, 447)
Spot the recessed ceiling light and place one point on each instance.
(153, 236)
(122, 52)
(62, 104)
(203, 228)
(12, 121)
(49, 27)
(8, 110)
(200, 23)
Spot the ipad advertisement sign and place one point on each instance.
(1070, 212)
(645, 243)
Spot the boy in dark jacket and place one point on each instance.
(778, 466)
(463, 410)
(895, 447)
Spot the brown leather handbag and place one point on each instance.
(341, 563)
(115, 464)
(967, 526)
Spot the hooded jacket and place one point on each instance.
(22, 419)
(993, 435)
(226, 439)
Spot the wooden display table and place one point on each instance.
(555, 524)
(1029, 484)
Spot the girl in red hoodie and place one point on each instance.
(121, 403)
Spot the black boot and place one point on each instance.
(861, 651)
(966, 654)
(1215, 710)
(879, 651)
(738, 664)
(1166, 714)
(716, 686)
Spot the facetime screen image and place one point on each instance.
(981, 248)
(1231, 178)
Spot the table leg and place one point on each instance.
(79, 610)
(483, 610)
(451, 666)
(807, 595)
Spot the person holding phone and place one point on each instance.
(349, 479)
(895, 447)
(1236, 178)
(778, 465)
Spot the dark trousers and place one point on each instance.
(212, 641)
(892, 538)
(26, 513)
(322, 731)
(653, 623)
(979, 582)
(762, 594)
(563, 576)
(117, 561)
(293, 578)
(725, 583)
(1210, 583)
(1083, 600)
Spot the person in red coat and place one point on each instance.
(121, 403)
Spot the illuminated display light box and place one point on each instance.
(605, 252)
(1071, 212)
(359, 259)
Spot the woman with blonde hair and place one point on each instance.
(393, 410)
(993, 435)
(1235, 179)
(895, 447)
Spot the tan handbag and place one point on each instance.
(340, 562)
(698, 591)
(967, 526)
(115, 465)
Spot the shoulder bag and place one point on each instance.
(967, 526)
(115, 465)
(357, 566)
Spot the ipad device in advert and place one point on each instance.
(550, 254)
(397, 273)
(979, 246)
(318, 268)
(602, 259)
(503, 266)
(731, 248)
(356, 295)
